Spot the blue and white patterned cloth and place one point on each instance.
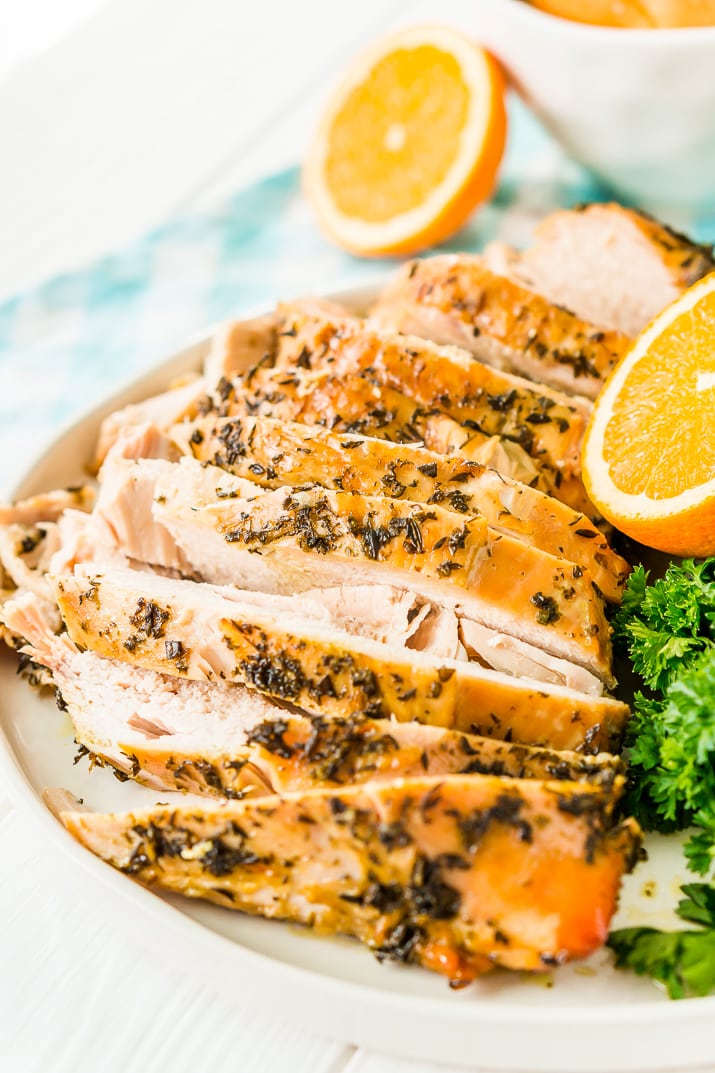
(77, 337)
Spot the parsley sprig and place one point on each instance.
(668, 630)
(682, 960)
(667, 625)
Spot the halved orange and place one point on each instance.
(649, 450)
(410, 143)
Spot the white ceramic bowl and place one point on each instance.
(635, 106)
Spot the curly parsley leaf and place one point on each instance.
(633, 596)
(655, 653)
(671, 752)
(667, 625)
(700, 847)
(684, 961)
(668, 629)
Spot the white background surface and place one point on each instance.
(149, 107)
(113, 116)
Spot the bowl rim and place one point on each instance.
(655, 37)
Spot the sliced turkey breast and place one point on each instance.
(274, 454)
(7, 591)
(207, 633)
(546, 423)
(612, 265)
(85, 538)
(47, 506)
(29, 552)
(512, 462)
(456, 299)
(143, 440)
(125, 502)
(288, 540)
(238, 345)
(225, 740)
(383, 613)
(159, 411)
(357, 406)
(375, 607)
(155, 728)
(348, 403)
(25, 554)
(543, 424)
(456, 873)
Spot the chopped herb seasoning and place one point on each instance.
(149, 618)
(303, 361)
(325, 687)
(429, 894)
(270, 734)
(393, 835)
(458, 501)
(446, 568)
(410, 694)
(473, 826)
(30, 541)
(400, 943)
(502, 403)
(457, 540)
(221, 859)
(429, 469)
(548, 611)
(91, 593)
(230, 437)
(278, 675)
(391, 486)
(224, 389)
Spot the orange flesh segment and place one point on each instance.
(410, 143)
(660, 438)
(410, 113)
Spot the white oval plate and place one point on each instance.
(580, 1019)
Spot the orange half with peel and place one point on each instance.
(649, 450)
(410, 143)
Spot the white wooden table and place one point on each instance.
(113, 116)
